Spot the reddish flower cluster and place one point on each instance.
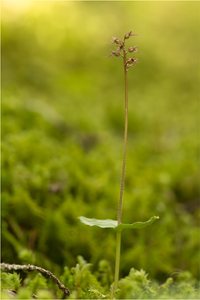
(122, 51)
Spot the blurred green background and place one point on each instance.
(62, 129)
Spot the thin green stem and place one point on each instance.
(117, 262)
(122, 181)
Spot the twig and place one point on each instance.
(29, 268)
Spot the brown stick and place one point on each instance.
(29, 268)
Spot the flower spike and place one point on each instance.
(123, 51)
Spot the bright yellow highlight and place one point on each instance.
(18, 4)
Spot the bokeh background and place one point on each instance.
(62, 129)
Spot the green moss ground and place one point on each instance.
(62, 127)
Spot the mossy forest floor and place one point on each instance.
(62, 131)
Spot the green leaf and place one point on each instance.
(138, 225)
(108, 223)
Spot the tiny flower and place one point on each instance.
(132, 49)
(116, 53)
(131, 61)
(128, 35)
(116, 41)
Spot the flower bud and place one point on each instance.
(128, 35)
(131, 61)
(132, 49)
(116, 53)
(116, 41)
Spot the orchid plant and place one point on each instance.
(121, 51)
